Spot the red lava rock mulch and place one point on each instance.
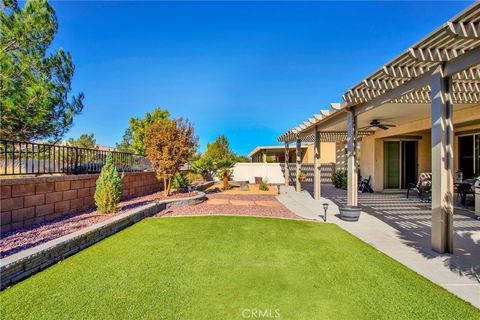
(21, 239)
(222, 204)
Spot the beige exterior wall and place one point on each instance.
(327, 153)
(371, 149)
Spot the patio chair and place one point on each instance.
(423, 187)
(365, 185)
(463, 189)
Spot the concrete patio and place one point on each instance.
(401, 228)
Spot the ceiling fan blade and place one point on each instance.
(381, 126)
(365, 128)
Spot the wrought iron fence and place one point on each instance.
(23, 158)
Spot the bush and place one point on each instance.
(195, 177)
(339, 179)
(263, 186)
(180, 181)
(108, 188)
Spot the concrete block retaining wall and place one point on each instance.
(28, 262)
(27, 201)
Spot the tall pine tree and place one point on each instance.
(34, 84)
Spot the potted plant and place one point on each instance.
(350, 213)
(302, 176)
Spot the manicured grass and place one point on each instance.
(221, 267)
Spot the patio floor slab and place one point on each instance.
(400, 228)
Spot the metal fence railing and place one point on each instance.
(23, 158)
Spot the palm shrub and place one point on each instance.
(108, 188)
(180, 181)
(225, 169)
(263, 186)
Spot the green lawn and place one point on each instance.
(221, 267)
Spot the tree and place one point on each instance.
(169, 145)
(134, 136)
(225, 169)
(34, 100)
(84, 141)
(204, 166)
(126, 144)
(243, 159)
(219, 149)
(219, 159)
(108, 187)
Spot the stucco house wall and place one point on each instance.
(371, 148)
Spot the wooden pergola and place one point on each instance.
(442, 70)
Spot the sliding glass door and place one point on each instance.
(391, 154)
(400, 164)
(477, 155)
(469, 155)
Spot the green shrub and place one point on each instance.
(180, 181)
(108, 188)
(195, 177)
(263, 186)
(339, 179)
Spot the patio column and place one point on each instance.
(351, 161)
(298, 159)
(442, 163)
(317, 179)
(287, 170)
(264, 156)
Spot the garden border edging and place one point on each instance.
(30, 261)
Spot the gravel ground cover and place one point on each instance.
(21, 239)
(265, 205)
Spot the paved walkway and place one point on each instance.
(400, 228)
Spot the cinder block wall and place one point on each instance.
(26, 201)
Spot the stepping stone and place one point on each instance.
(268, 203)
(217, 201)
(242, 203)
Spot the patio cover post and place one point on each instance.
(351, 159)
(287, 170)
(298, 155)
(316, 167)
(442, 162)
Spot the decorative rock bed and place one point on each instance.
(28, 262)
(258, 205)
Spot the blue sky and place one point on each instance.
(249, 70)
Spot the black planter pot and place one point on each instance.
(350, 213)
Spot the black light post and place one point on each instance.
(325, 208)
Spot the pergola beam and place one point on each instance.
(468, 30)
(403, 72)
(418, 82)
(465, 61)
(471, 74)
(434, 54)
